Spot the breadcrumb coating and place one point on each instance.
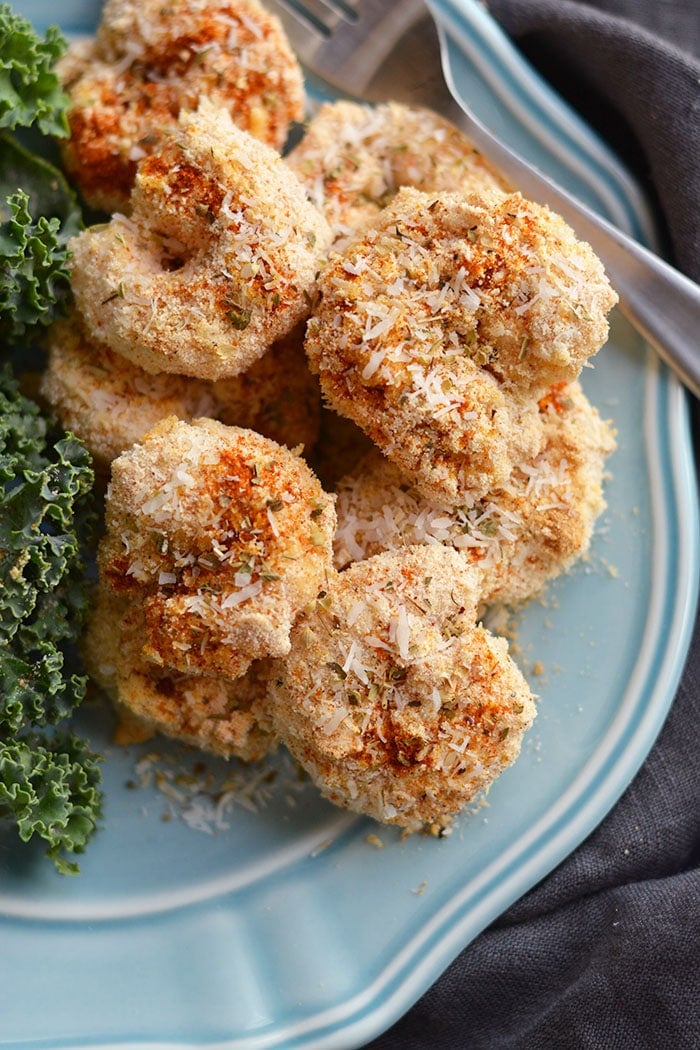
(108, 402)
(353, 158)
(226, 717)
(217, 260)
(447, 320)
(152, 59)
(438, 328)
(521, 535)
(225, 534)
(394, 700)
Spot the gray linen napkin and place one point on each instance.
(641, 92)
(604, 954)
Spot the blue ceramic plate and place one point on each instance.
(235, 909)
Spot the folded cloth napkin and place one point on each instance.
(605, 952)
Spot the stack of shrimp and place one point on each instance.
(383, 264)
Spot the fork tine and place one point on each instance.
(346, 8)
(320, 16)
(345, 42)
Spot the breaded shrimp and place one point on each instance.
(107, 401)
(521, 535)
(217, 261)
(152, 59)
(277, 396)
(353, 158)
(395, 702)
(110, 403)
(438, 328)
(227, 717)
(224, 533)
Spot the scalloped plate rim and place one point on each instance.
(611, 767)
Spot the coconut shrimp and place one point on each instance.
(394, 700)
(521, 535)
(152, 59)
(107, 401)
(226, 717)
(223, 534)
(437, 329)
(110, 403)
(353, 158)
(217, 260)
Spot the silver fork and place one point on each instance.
(378, 50)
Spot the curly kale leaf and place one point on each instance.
(37, 691)
(39, 535)
(38, 210)
(23, 431)
(30, 91)
(47, 188)
(36, 686)
(34, 277)
(50, 789)
(46, 519)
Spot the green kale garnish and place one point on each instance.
(50, 788)
(49, 780)
(48, 191)
(48, 783)
(34, 278)
(38, 211)
(30, 91)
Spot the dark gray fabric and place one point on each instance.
(641, 91)
(605, 952)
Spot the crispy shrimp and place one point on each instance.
(227, 717)
(152, 59)
(224, 534)
(521, 535)
(353, 158)
(110, 403)
(394, 700)
(217, 260)
(438, 328)
(107, 401)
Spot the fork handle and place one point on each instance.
(659, 301)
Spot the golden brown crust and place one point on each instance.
(450, 323)
(216, 262)
(395, 702)
(227, 717)
(433, 332)
(353, 158)
(110, 403)
(521, 535)
(107, 401)
(152, 59)
(223, 534)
